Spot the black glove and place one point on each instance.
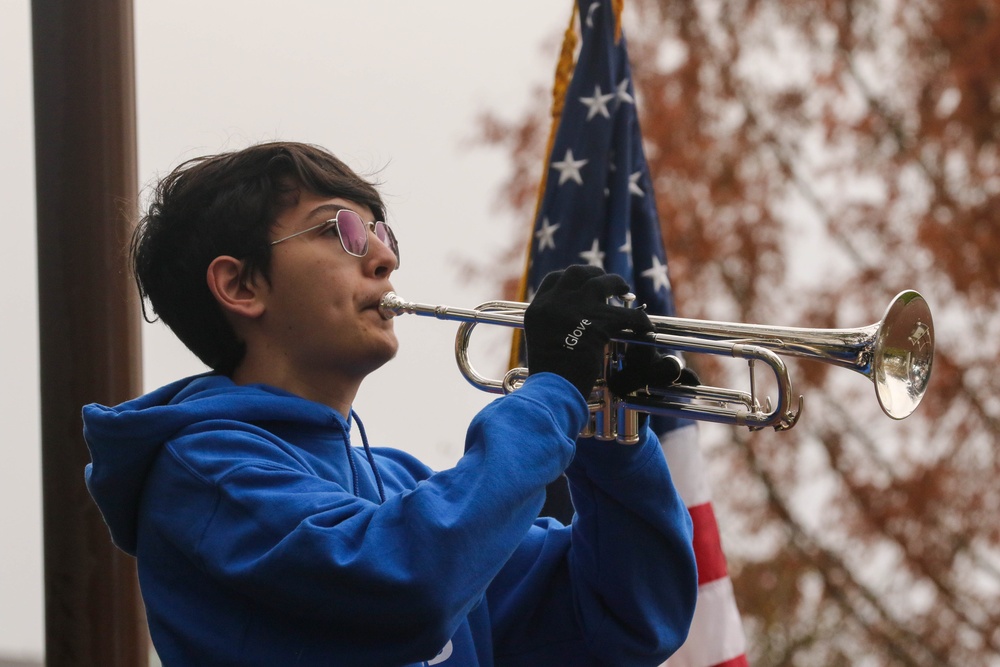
(569, 322)
(645, 367)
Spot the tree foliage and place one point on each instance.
(812, 159)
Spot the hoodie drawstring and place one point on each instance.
(371, 458)
(368, 454)
(350, 456)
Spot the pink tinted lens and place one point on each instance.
(385, 235)
(353, 232)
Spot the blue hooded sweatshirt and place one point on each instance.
(263, 537)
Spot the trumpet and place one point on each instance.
(895, 353)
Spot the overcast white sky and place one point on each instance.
(384, 84)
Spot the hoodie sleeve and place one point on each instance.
(619, 586)
(633, 552)
(412, 567)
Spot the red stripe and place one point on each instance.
(707, 545)
(740, 661)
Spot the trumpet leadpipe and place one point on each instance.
(506, 313)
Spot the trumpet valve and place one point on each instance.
(604, 415)
(627, 426)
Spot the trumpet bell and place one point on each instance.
(903, 354)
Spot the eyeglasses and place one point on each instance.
(353, 233)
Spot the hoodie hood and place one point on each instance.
(125, 440)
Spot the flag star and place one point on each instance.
(627, 247)
(598, 104)
(594, 256)
(633, 184)
(621, 93)
(658, 274)
(569, 168)
(546, 235)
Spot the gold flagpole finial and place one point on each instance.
(617, 6)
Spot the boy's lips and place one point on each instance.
(374, 301)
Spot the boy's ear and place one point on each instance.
(236, 295)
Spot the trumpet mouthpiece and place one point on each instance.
(390, 305)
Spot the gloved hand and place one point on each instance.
(644, 366)
(569, 322)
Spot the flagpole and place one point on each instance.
(563, 75)
(89, 346)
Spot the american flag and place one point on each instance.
(597, 207)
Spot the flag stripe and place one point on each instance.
(707, 545)
(716, 636)
(680, 446)
(739, 661)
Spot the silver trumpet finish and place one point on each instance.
(896, 354)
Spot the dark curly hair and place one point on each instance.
(225, 205)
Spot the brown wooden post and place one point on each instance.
(85, 146)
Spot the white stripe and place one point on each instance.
(687, 469)
(716, 632)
